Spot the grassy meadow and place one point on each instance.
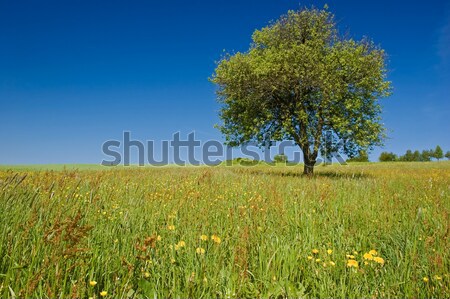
(362, 230)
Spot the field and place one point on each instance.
(363, 230)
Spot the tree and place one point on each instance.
(447, 155)
(438, 153)
(407, 157)
(426, 155)
(362, 157)
(416, 156)
(387, 157)
(300, 80)
(281, 158)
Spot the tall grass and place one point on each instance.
(144, 232)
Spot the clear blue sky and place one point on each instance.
(74, 74)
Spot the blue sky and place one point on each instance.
(74, 74)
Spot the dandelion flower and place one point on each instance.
(352, 263)
(350, 256)
(204, 237)
(332, 263)
(368, 256)
(310, 257)
(158, 238)
(437, 277)
(379, 260)
(315, 251)
(216, 239)
(92, 283)
(171, 227)
(373, 252)
(182, 244)
(200, 250)
(329, 251)
(147, 275)
(425, 279)
(318, 260)
(103, 293)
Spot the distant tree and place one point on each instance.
(447, 155)
(362, 157)
(282, 158)
(387, 157)
(407, 157)
(300, 80)
(416, 157)
(426, 155)
(438, 153)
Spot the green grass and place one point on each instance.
(61, 228)
(53, 167)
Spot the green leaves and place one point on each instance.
(299, 79)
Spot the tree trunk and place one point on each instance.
(308, 169)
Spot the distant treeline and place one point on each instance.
(416, 156)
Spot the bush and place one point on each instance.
(362, 157)
(387, 157)
(280, 158)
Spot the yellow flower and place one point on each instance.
(437, 277)
(352, 263)
(181, 244)
(103, 293)
(318, 260)
(177, 247)
(204, 237)
(425, 279)
(158, 238)
(200, 250)
(171, 227)
(310, 257)
(172, 260)
(350, 256)
(355, 252)
(216, 239)
(366, 263)
(379, 260)
(92, 283)
(332, 263)
(147, 275)
(315, 251)
(373, 252)
(368, 256)
(329, 251)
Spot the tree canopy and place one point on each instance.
(387, 157)
(299, 80)
(438, 153)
